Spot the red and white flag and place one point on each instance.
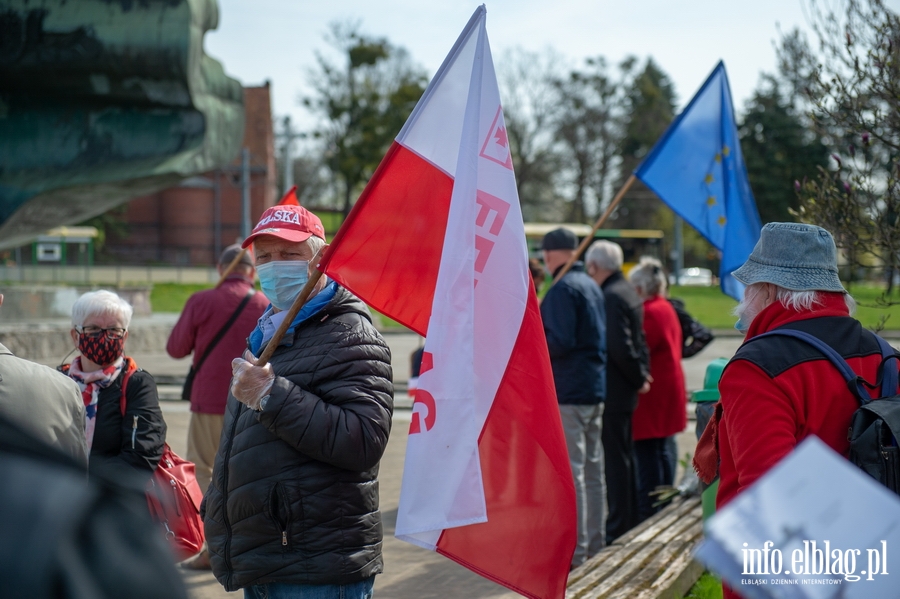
(436, 242)
(289, 198)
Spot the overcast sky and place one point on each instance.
(276, 39)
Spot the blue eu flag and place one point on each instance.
(698, 170)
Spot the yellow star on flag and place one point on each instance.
(726, 151)
(718, 157)
(710, 201)
(722, 221)
(709, 178)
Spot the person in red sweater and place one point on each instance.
(777, 391)
(205, 314)
(662, 411)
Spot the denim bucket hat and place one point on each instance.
(794, 256)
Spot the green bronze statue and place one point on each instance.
(105, 100)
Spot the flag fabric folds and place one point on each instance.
(698, 170)
(436, 242)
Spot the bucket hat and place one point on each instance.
(794, 256)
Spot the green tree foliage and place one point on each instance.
(363, 104)
(851, 82)
(779, 148)
(649, 108)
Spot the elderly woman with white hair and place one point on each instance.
(124, 427)
(661, 412)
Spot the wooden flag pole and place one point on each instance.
(232, 266)
(289, 318)
(590, 237)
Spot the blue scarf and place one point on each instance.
(309, 309)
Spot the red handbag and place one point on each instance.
(173, 495)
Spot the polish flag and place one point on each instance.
(436, 242)
(290, 198)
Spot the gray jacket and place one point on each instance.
(294, 493)
(44, 402)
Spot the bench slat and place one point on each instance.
(652, 561)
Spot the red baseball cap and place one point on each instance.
(292, 223)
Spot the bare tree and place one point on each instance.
(851, 82)
(589, 126)
(363, 103)
(530, 105)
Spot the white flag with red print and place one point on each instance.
(436, 242)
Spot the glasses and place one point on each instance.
(92, 331)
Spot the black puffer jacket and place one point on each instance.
(294, 494)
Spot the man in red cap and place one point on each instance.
(292, 510)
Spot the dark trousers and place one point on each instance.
(655, 461)
(621, 484)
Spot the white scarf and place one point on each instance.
(91, 383)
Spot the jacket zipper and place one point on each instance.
(134, 431)
(281, 507)
(228, 531)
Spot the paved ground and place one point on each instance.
(410, 572)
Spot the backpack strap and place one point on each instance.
(890, 377)
(855, 383)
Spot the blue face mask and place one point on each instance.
(282, 280)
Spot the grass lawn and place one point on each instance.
(713, 308)
(708, 587)
(707, 304)
(171, 297)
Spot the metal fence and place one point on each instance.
(119, 276)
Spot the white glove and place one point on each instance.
(250, 383)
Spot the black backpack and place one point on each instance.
(694, 336)
(875, 427)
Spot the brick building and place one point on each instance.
(188, 225)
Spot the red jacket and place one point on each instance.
(662, 411)
(205, 313)
(777, 391)
(766, 414)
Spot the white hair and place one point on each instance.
(605, 255)
(805, 301)
(315, 244)
(95, 303)
(649, 277)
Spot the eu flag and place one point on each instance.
(698, 170)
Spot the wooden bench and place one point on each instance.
(653, 560)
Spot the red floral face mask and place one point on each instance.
(102, 349)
